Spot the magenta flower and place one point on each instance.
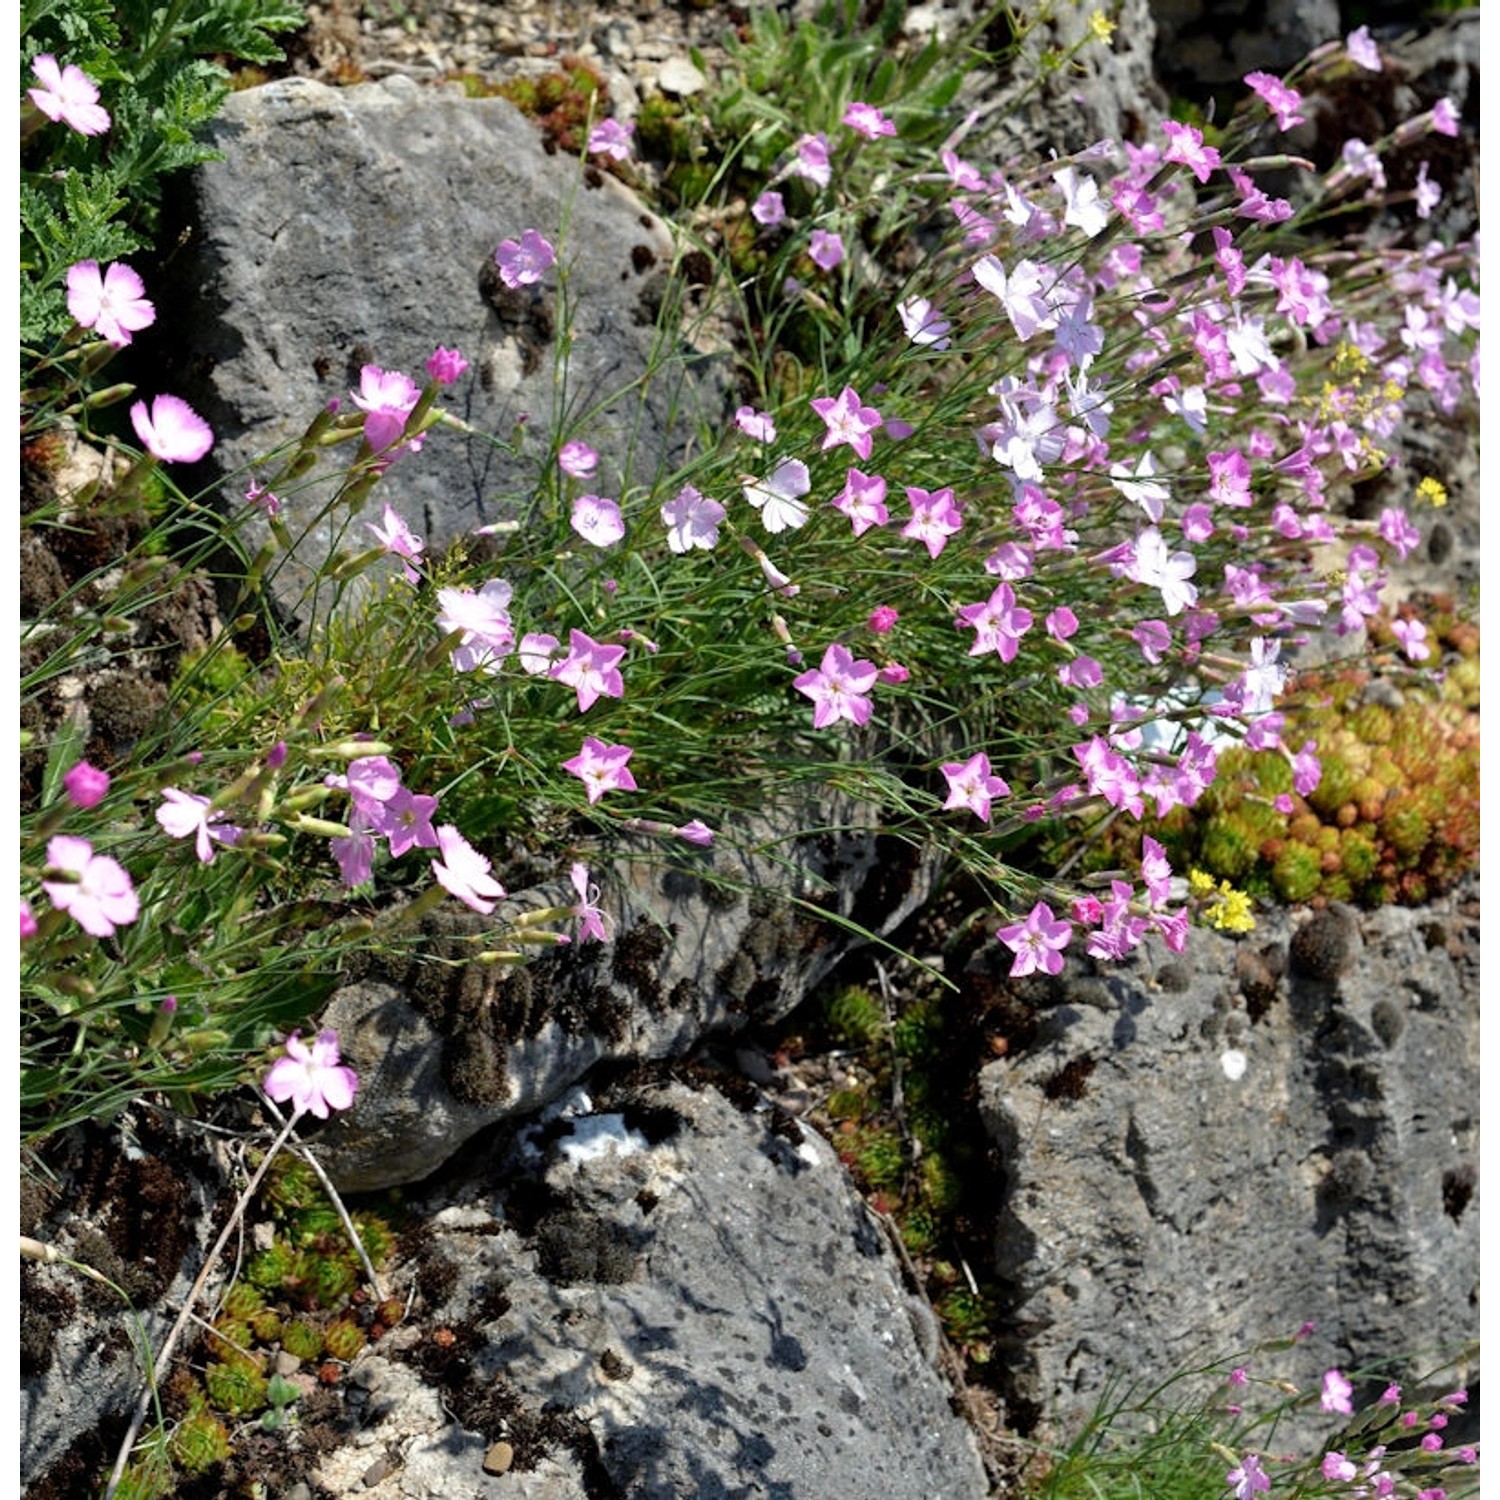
(922, 322)
(837, 687)
(171, 431)
(862, 499)
(1185, 145)
(868, 121)
(185, 815)
(769, 209)
(882, 619)
(1445, 117)
(262, 498)
(113, 303)
(311, 1078)
(591, 669)
(1413, 637)
(592, 923)
(1248, 1479)
(577, 459)
(692, 520)
(398, 539)
(998, 623)
(464, 872)
(386, 397)
(101, 896)
(602, 768)
(934, 518)
(825, 249)
(445, 365)
(85, 785)
(696, 832)
(597, 520)
(778, 497)
(1336, 1394)
(406, 821)
(1282, 100)
(68, 94)
(1361, 49)
(484, 619)
(611, 138)
(28, 920)
(525, 261)
(847, 419)
(811, 159)
(971, 785)
(1037, 942)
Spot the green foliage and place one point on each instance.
(236, 1385)
(343, 1338)
(302, 1339)
(856, 1016)
(199, 1442)
(563, 102)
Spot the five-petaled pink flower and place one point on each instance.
(998, 623)
(935, 517)
(187, 815)
(759, 425)
(922, 322)
(1360, 48)
(592, 922)
(597, 519)
(862, 499)
(525, 261)
(837, 687)
(68, 94)
(171, 430)
(971, 785)
(602, 768)
(1185, 145)
(1248, 1479)
(464, 872)
(1282, 100)
(1336, 1393)
(868, 121)
(398, 539)
(100, 897)
(445, 365)
(112, 302)
(484, 619)
(577, 459)
(591, 668)
(611, 138)
(692, 520)
(386, 397)
(1037, 942)
(825, 249)
(848, 420)
(86, 785)
(769, 209)
(311, 1078)
(811, 159)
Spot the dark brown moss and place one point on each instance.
(122, 707)
(1323, 947)
(1072, 1079)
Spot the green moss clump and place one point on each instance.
(856, 1017)
(236, 1385)
(200, 1441)
(272, 1267)
(301, 1339)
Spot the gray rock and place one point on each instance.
(1183, 1182)
(704, 1307)
(351, 226)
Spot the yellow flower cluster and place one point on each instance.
(1224, 908)
(1432, 491)
(1101, 26)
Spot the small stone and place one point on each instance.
(499, 1459)
(375, 1473)
(680, 76)
(285, 1364)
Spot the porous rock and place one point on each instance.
(350, 226)
(1214, 1182)
(763, 1344)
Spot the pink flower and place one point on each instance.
(113, 303)
(85, 785)
(484, 620)
(536, 651)
(101, 896)
(185, 815)
(1426, 193)
(445, 365)
(1282, 100)
(971, 785)
(597, 520)
(577, 459)
(311, 1078)
(837, 687)
(1307, 769)
(811, 160)
(1185, 145)
(463, 872)
(1336, 1467)
(592, 923)
(1023, 292)
(259, 496)
(922, 322)
(68, 94)
(386, 397)
(696, 832)
(862, 499)
(1445, 117)
(397, 538)
(1336, 1394)
(28, 920)
(1413, 637)
(692, 520)
(591, 669)
(611, 138)
(1037, 942)
(778, 497)
(756, 424)
(1248, 1479)
(935, 517)
(769, 209)
(825, 249)
(1153, 565)
(406, 821)
(1361, 49)
(1061, 623)
(882, 619)
(354, 855)
(602, 768)
(172, 431)
(847, 419)
(525, 261)
(998, 623)
(868, 121)
(1239, 1376)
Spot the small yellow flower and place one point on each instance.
(1101, 26)
(1433, 492)
(1200, 884)
(1349, 359)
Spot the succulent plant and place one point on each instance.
(199, 1442)
(236, 1385)
(301, 1339)
(343, 1339)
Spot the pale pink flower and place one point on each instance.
(525, 261)
(445, 365)
(935, 517)
(862, 499)
(1413, 637)
(101, 896)
(692, 520)
(1336, 1467)
(593, 924)
(484, 619)
(406, 821)
(1037, 942)
(86, 785)
(971, 785)
(1024, 292)
(811, 159)
(778, 497)
(597, 520)
(1084, 209)
(759, 425)
(696, 832)
(1282, 100)
(398, 539)
(536, 651)
(262, 498)
(386, 397)
(1445, 117)
(591, 668)
(463, 872)
(1155, 566)
(769, 209)
(354, 854)
(868, 121)
(922, 323)
(68, 94)
(577, 459)
(825, 249)
(1361, 49)
(185, 815)
(837, 687)
(1185, 145)
(311, 1078)
(847, 419)
(171, 430)
(602, 768)
(1248, 1479)
(611, 138)
(113, 302)
(1336, 1393)
(998, 623)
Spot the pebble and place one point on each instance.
(681, 77)
(499, 1459)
